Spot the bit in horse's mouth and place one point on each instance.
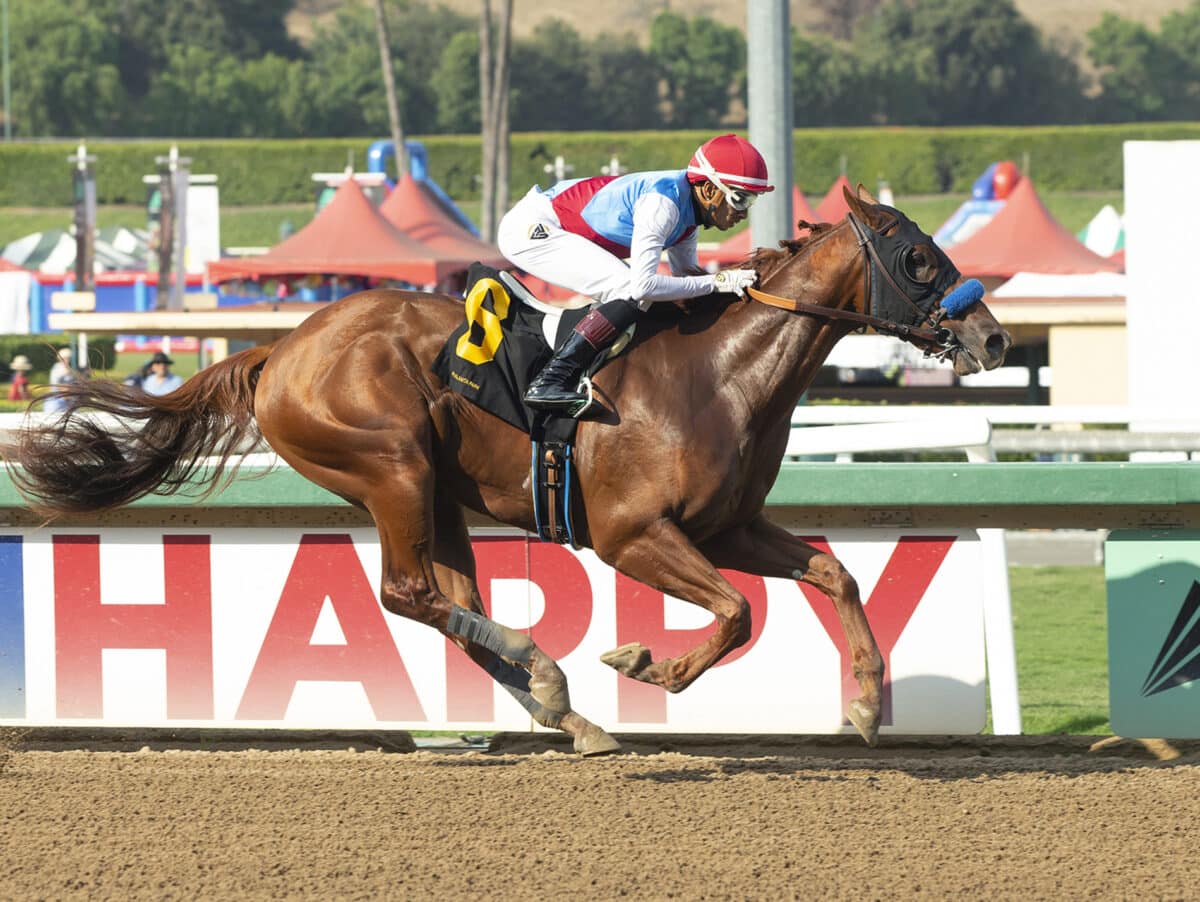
(965, 363)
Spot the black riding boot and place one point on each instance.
(557, 386)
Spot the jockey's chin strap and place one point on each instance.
(915, 334)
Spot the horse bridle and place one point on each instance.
(936, 335)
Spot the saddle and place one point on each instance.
(506, 338)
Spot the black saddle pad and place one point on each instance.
(498, 350)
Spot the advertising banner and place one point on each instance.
(1153, 583)
(282, 628)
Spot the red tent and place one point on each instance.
(833, 207)
(1024, 237)
(737, 248)
(5, 266)
(347, 238)
(413, 209)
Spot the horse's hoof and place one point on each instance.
(865, 719)
(592, 740)
(589, 738)
(629, 659)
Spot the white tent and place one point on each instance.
(1105, 233)
(53, 251)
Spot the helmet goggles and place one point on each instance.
(739, 199)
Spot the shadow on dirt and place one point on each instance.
(842, 757)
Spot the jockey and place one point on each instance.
(580, 233)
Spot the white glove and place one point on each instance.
(734, 281)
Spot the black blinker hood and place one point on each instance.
(892, 251)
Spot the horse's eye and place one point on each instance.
(917, 266)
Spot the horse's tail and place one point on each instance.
(77, 463)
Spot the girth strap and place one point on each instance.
(551, 484)
(887, 327)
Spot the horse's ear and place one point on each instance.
(865, 195)
(863, 205)
(854, 202)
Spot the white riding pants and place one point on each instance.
(561, 257)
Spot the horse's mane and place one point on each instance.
(767, 258)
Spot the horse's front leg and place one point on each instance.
(764, 549)
(662, 557)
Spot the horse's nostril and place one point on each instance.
(996, 345)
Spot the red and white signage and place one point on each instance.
(283, 628)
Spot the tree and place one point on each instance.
(65, 79)
(400, 154)
(419, 35)
(347, 88)
(549, 84)
(965, 62)
(616, 74)
(1138, 73)
(1144, 75)
(843, 16)
(828, 84)
(455, 84)
(146, 30)
(1181, 34)
(281, 94)
(701, 64)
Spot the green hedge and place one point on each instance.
(913, 160)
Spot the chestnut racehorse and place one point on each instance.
(671, 480)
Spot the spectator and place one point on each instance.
(138, 376)
(19, 389)
(60, 374)
(160, 381)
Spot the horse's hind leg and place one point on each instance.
(764, 549)
(454, 566)
(403, 512)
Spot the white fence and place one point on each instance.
(978, 430)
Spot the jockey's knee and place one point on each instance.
(605, 321)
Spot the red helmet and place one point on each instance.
(730, 162)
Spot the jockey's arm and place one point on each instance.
(684, 257)
(654, 219)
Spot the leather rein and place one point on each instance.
(939, 337)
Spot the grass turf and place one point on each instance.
(1060, 633)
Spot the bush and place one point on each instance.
(913, 160)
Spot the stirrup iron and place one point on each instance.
(583, 406)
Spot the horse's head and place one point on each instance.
(909, 287)
(909, 280)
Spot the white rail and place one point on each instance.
(996, 414)
(1058, 430)
(969, 433)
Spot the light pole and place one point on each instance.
(769, 71)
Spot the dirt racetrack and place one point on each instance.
(744, 818)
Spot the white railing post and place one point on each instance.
(999, 645)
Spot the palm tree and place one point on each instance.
(389, 84)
